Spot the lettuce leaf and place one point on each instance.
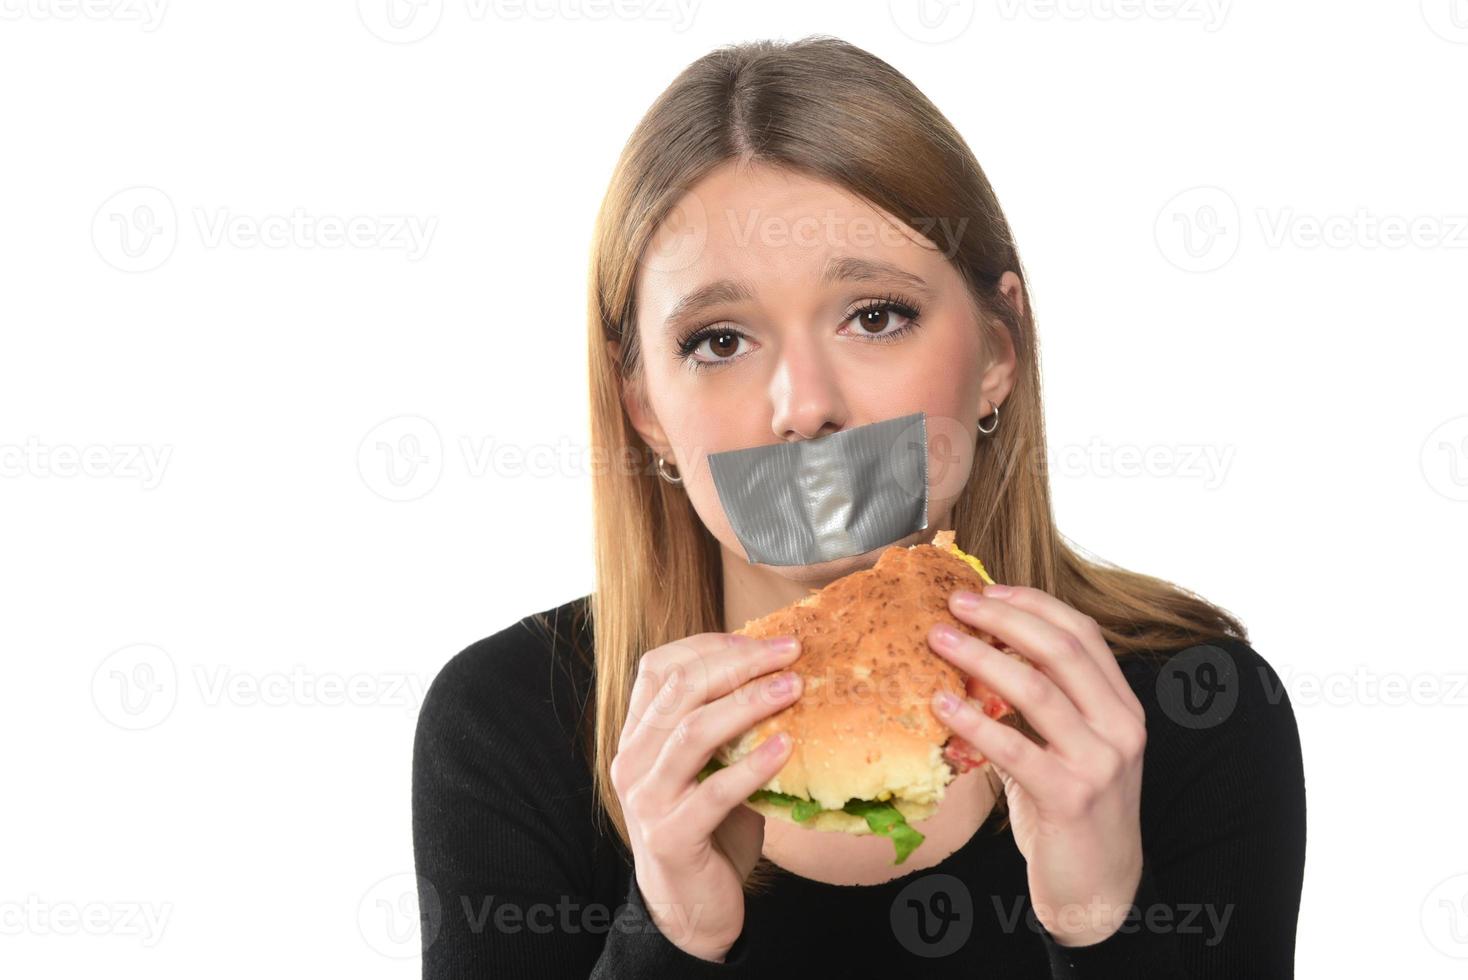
(801, 808)
(881, 816)
(885, 819)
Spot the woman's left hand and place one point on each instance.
(1075, 803)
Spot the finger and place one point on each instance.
(702, 666)
(1007, 749)
(1057, 652)
(655, 666)
(689, 684)
(1036, 696)
(1083, 627)
(701, 732)
(713, 799)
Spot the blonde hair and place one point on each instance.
(825, 108)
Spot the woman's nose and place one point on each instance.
(806, 395)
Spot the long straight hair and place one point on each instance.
(824, 108)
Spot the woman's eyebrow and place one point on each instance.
(848, 268)
(844, 269)
(712, 294)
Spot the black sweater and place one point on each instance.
(517, 877)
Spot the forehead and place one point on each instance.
(780, 230)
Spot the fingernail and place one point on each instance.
(998, 591)
(784, 644)
(945, 703)
(774, 745)
(945, 635)
(782, 683)
(965, 599)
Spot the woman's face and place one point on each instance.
(774, 307)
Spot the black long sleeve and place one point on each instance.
(527, 883)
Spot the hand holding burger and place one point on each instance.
(869, 754)
(1074, 798)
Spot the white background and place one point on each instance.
(213, 660)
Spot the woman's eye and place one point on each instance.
(880, 321)
(885, 320)
(722, 346)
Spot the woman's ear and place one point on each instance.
(1011, 289)
(1002, 363)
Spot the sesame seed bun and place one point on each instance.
(862, 727)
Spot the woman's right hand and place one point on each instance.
(693, 844)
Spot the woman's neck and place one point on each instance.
(752, 591)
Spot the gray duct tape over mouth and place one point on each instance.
(801, 503)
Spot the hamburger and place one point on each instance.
(869, 756)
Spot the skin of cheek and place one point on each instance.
(938, 373)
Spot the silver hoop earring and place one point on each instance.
(984, 431)
(663, 472)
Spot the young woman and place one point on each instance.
(796, 242)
